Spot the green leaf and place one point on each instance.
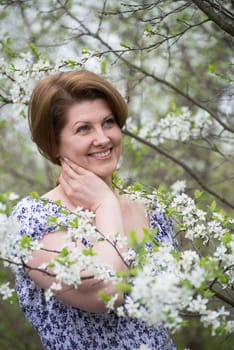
(34, 195)
(186, 283)
(226, 238)
(52, 219)
(64, 253)
(198, 194)
(171, 211)
(72, 64)
(34, 49)
(103, 66)
(26, 241)
(222, 278)
(123, 287)
(88, 252)
(132, 239)
(137, 186)
(104, 297)
(74, 223)
(85, 51)
(122, 274)
(176, 254)
(213, 205)
(147, 234)
(51, 265)
(122, 44)
(64, 211)
(208, 294)
(211, 68)
(134, 271)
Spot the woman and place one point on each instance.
(75, 119)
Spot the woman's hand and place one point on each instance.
(83, 187)
(87, 190)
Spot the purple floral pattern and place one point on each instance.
(63, 327)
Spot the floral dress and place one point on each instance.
(63, 327)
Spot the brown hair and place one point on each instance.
(54, 94)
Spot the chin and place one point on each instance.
(104, 174)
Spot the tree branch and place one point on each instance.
(217, 14)
(181, 164)
(119, 55)
(179, 92)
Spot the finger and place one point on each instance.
(69, 185)
(75, 167)
(68, 172)
(68, 190)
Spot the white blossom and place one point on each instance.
(6, 291)
(225, 254)
(180, 126)
(230, 326)
(129, 255)
(178, 187)
(214, 318)
(198, 304)
(110, 305)
(3, 207)
(215, 229)
(219, 216)
(13, 196)
(165, 282)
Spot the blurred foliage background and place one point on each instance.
(166, 57)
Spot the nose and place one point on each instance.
(100, 138)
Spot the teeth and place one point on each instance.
(102, 154)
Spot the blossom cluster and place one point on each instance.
(14, 248)
(217, 229)
(171, 285)
(163, 284)
(6, 291)
(180, 126)
(20, 76)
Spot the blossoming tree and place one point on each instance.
(180, 114)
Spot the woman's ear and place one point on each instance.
(57, 156)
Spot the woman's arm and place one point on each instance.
(85, 296)
(85, 189)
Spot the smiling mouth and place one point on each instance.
(102, 155)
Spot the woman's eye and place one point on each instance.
(82, 129)
(109, 121)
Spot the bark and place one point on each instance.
(218, 14)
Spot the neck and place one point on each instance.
(108, 181)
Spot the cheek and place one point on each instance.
(118, 144)
(118, 136)
(67, 148)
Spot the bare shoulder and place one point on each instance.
(54, 194)
(57, 194)
(137, 206)
(134, 215)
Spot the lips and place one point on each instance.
(102, 155)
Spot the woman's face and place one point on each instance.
(91, 137)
